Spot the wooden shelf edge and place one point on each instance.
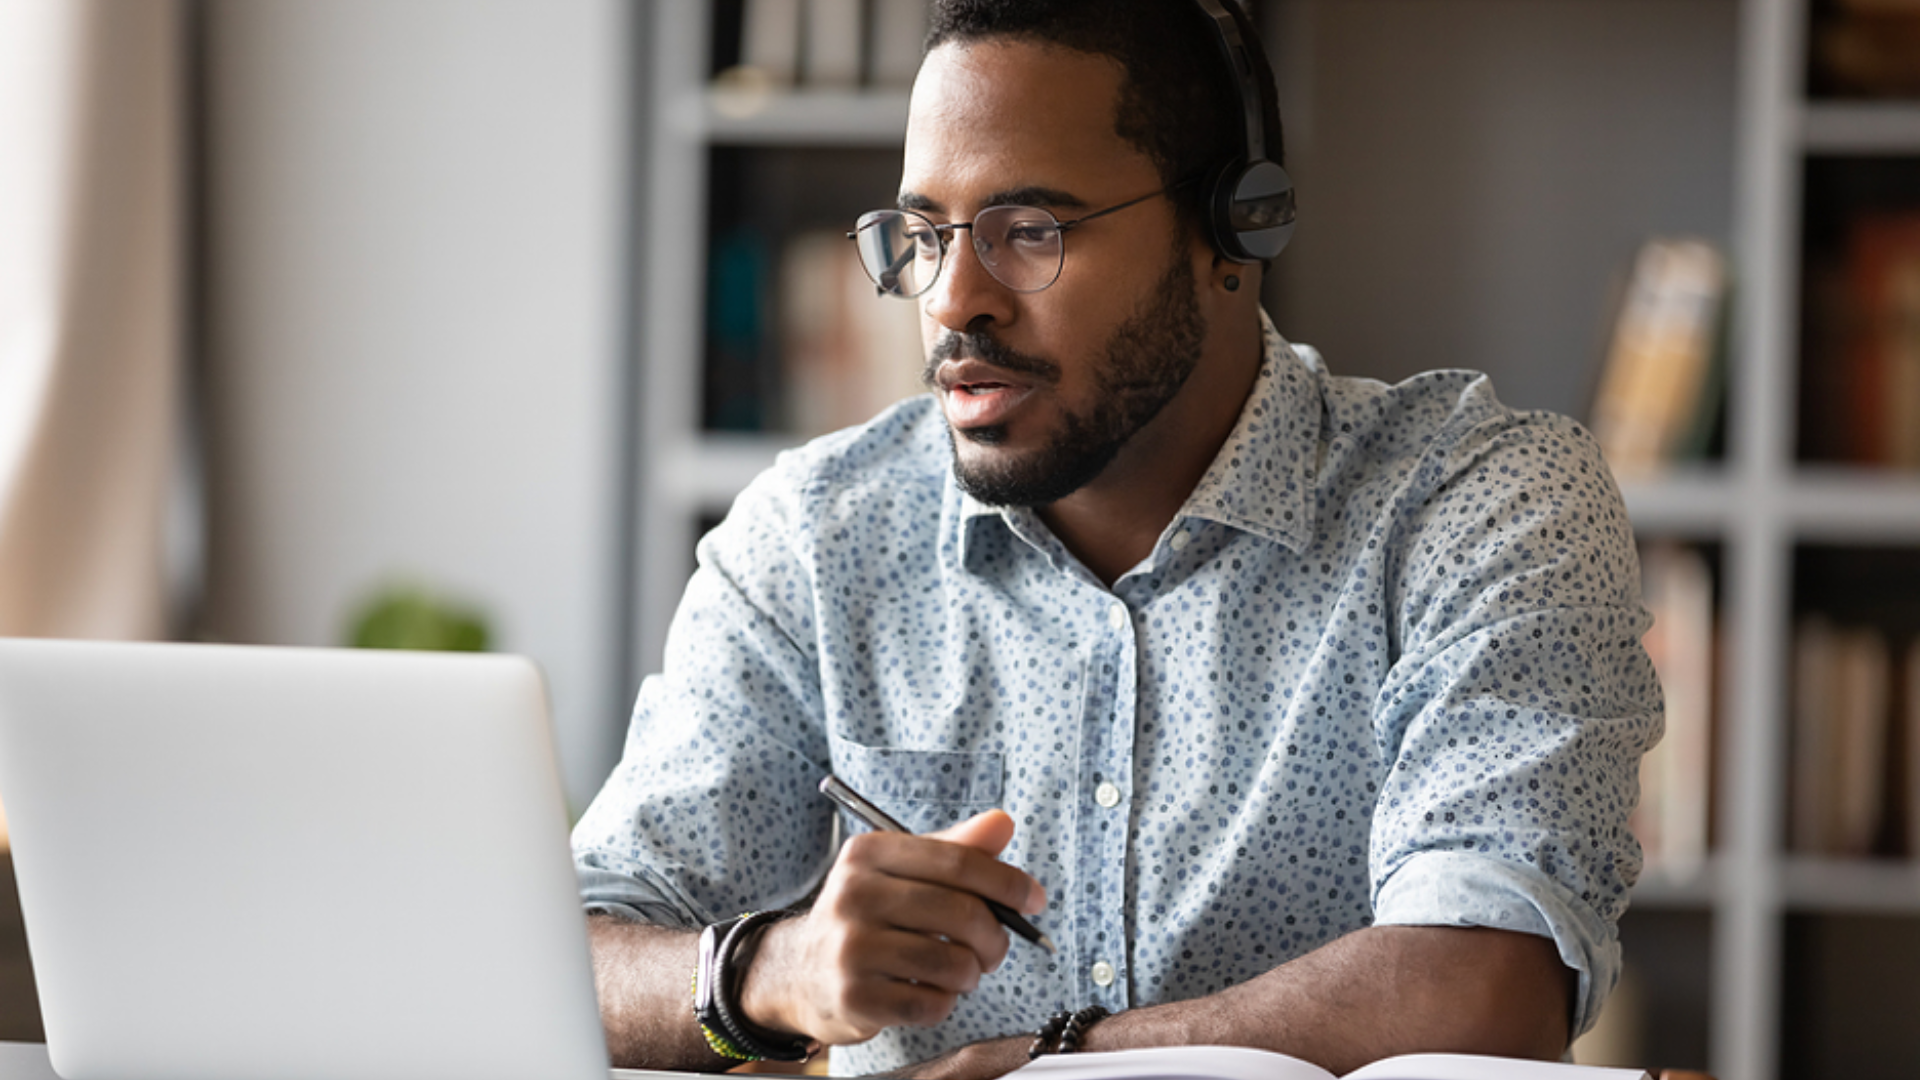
(1852, 886)
(1838, 503)
(705, 472)
(793, 117)
(1692, 500)
(1834, 127)
(1678, 888)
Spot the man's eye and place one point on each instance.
(1030, 234)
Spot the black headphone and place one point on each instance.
(1250, 208)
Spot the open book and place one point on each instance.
(1241, 1063)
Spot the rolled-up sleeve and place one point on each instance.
(1514, 723)
(723, 749)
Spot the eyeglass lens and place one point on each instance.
(903, 252)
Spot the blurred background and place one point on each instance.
(454, 322)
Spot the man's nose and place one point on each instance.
(965, 292)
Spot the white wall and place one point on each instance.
(1474, 174)
(413, 230)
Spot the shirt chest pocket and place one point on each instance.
(924, 790)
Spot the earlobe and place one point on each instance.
(1232, 283)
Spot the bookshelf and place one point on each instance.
(1743, 950)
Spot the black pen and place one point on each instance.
(857, 805)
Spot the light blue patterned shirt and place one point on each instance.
(1384, 667)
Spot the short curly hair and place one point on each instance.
(1178, 101)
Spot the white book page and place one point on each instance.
(1173, 1063)
(1241, 1063)
(1474, 1067)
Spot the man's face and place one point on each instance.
(1043, 391)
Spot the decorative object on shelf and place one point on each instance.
(1658, 397)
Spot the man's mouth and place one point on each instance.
(974, 396)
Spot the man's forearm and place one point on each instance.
(1376, 993)
(1372, 994)
(643, 975)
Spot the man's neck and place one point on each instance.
(1111, 524)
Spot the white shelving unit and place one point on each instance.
(689, 475)
(1757, 505)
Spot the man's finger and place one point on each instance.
(941, 862)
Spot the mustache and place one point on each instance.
(974, 345)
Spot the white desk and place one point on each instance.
(28, 1061)
(25, 1061)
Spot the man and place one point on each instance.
(1301, 712)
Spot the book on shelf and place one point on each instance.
(899, 32)
(1842, 705)
(770, 39)
(1243, 1063)
(1672, 818)
(1908, 733)
(737, 372)
(829, 44)
(1883, 348)
(845, 352)
(1658, 395)
(1867, 48)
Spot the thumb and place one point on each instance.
(989, 832)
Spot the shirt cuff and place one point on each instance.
(606, 892)
(1447, 888)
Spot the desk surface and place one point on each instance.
(28, 1061)
(25, 1061)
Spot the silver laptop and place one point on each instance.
(248, 863)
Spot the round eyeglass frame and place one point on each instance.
(888, 269)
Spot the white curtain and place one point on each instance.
(90, 313)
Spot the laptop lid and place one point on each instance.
(253, 863)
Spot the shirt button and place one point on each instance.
(1102, 973)
(1117, 615)
(1107, 795)
(1180, 540)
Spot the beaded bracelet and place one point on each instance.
(1064, 1031)
(1077, 1027)
(1048, 1036)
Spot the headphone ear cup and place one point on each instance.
(1219, 192)
(1251, 211)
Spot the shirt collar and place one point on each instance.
(1262, 478)
(1261, 481)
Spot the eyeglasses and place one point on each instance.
(1023, 247)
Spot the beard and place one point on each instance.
(1147, 359)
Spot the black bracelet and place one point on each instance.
(1078, 1025)
(716, 995)
(1048, 1037)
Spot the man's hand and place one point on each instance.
(899, 932)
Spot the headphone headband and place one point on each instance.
(1234, 46)
(1250, 203)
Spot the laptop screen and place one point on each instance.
(251, 863)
